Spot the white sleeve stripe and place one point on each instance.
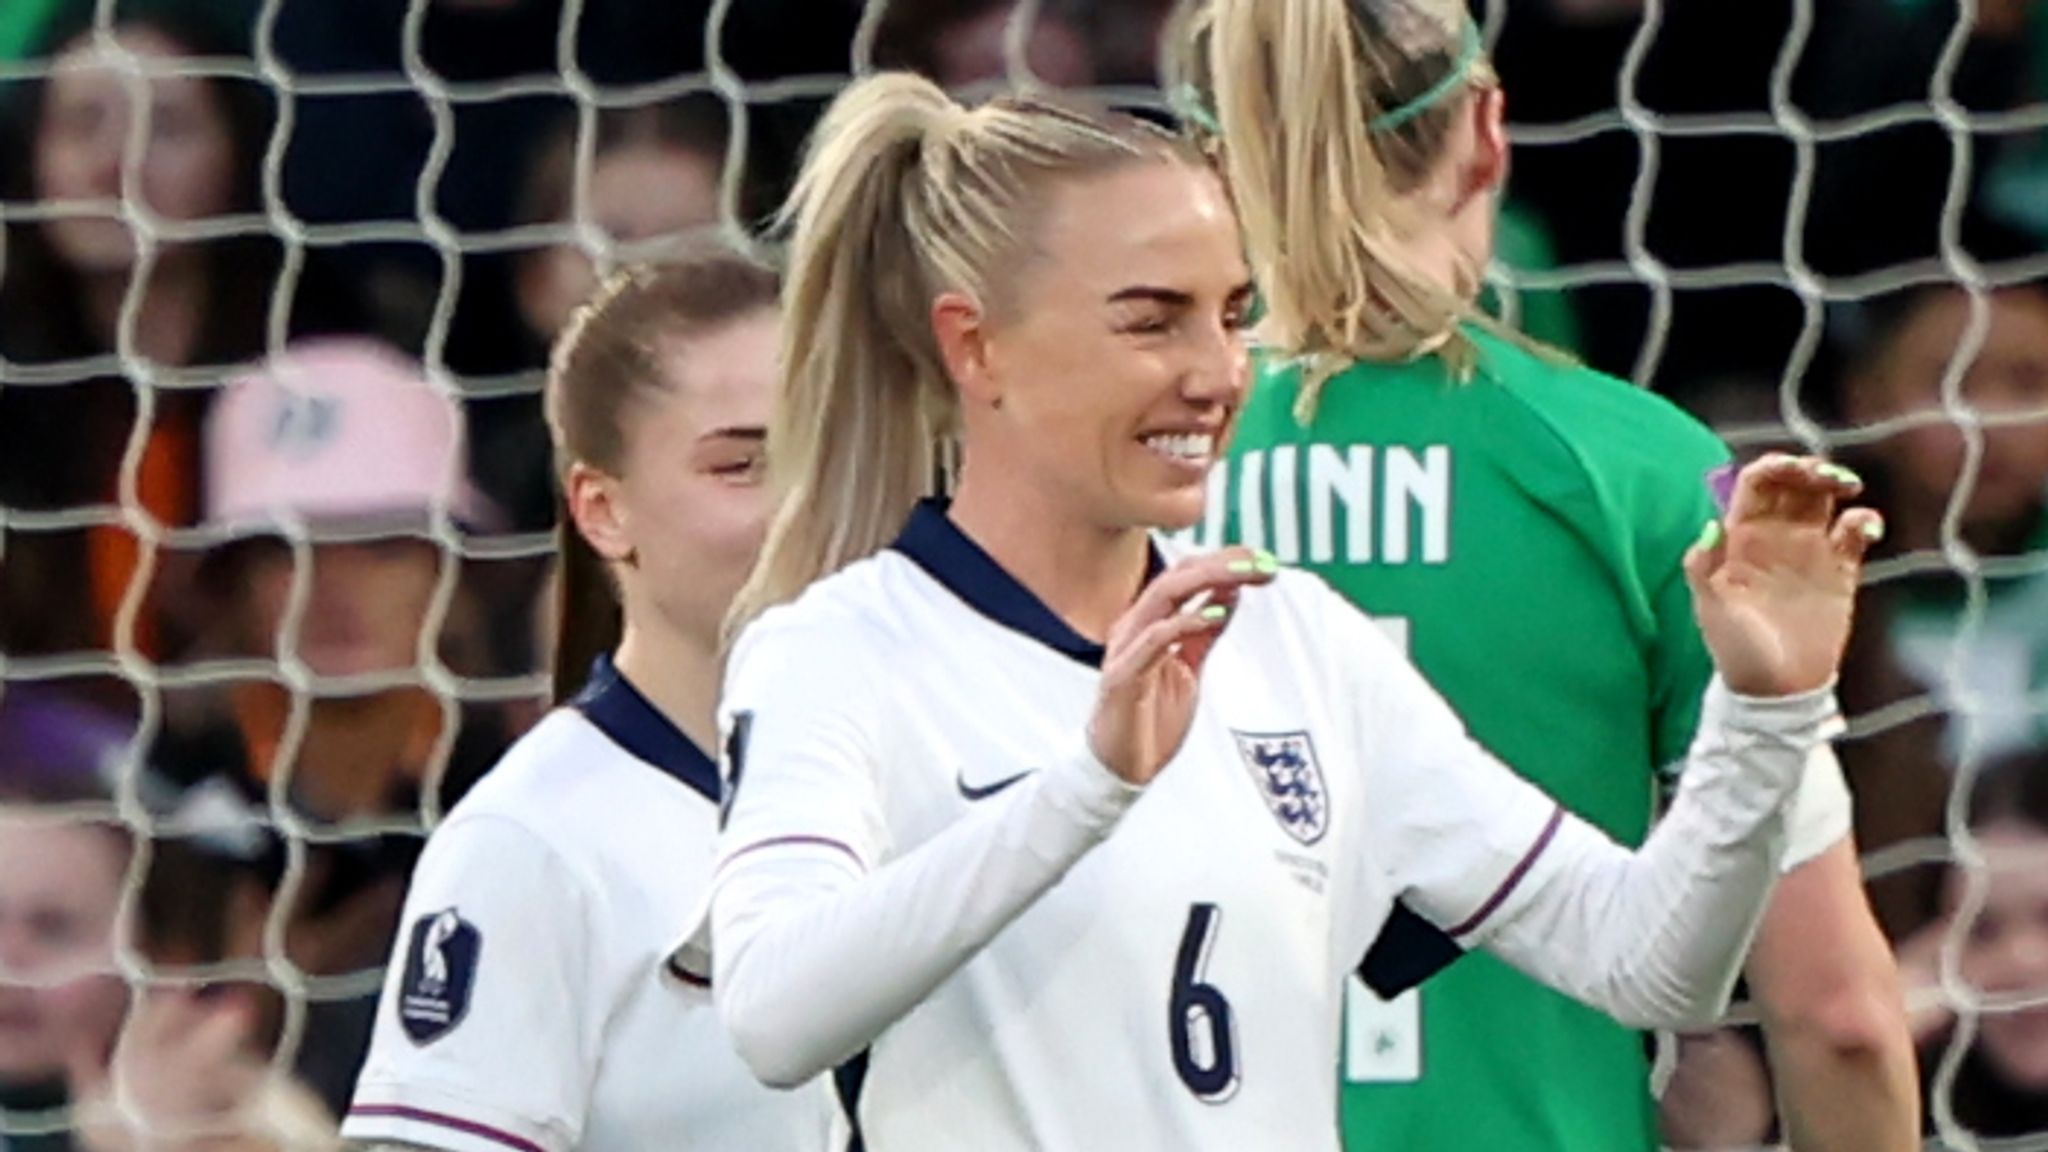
(443, 1120)
(1514, 877)
(793, 842)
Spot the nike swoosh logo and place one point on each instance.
(985, 791)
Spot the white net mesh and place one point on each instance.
(449, 253)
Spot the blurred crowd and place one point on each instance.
(275, 491)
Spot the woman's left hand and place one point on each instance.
(1774, 582)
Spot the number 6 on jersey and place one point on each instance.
(1200, 1027)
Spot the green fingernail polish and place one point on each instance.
(1838, 473)
(1242, 566)
(1873, 530)
(1710, 536)
(1215, 612)
(1266, 562)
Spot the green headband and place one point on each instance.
(1187, 104)
(1468, 52)
(1186, 99)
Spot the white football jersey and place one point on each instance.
(921, 857)
(525, 1005)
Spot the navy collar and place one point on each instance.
(934, 543)
(610, 701)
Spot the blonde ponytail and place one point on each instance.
(862, 402)
(904, 194)
(1319, 159)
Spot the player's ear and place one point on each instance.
(1488, 168)
(597, 511)
(962, 334)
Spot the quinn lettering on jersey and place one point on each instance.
(1323, 504)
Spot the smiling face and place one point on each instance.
(1110, 378)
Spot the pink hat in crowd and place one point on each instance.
(337, 430)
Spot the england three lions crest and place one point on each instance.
(1283, 766)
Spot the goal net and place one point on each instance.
(1815, 225)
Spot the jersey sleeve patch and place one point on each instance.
(441, 955)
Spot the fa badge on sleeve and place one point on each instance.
(440, 970)
(1283, 766)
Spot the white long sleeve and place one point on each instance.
(816, 958)
(826, 930)
(830, 922)
(1656, 937)
(1822, 810)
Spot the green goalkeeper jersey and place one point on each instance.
(1525, 532)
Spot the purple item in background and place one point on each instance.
(53, 745)
(1721, 482)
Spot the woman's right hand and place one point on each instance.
(1152, 664)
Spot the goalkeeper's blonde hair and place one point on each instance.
(1329, 112)
(904, 194)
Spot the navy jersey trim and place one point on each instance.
(676, 969)
(847, 1081)
(934, 543)
(631, 721)
(1408, 951)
